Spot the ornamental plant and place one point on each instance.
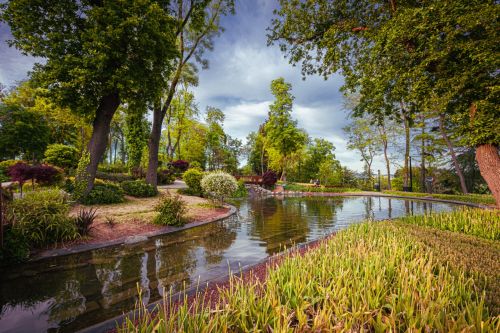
(179, 165)
(219, 185)
(63, 156)
(269, 178)
(192, 178)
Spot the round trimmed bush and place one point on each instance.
(138, 188)
(219, 185)
(104, 193)
(192, 178)
(63, 156)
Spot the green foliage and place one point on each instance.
(171, 211)
(104, 193)
(195, 165)
(15, 246)
(42, 217)
(371, 275)
(281, 130)
(114, 177)
(219, 185)
(63, 156)
(242, 191)
(192, 177)
(138, 188)
(81, 178)
(330, 173)
(112, 168)
(476, 222)
(165, 177)
(22, 133)
(136, 134)
(318, 152)
(84, 221)
(4, 169)
(309, 188)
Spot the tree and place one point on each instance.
(97, 55)
(136, 135)
(199, 23)
(319, 151)
(22, 133)
(413, 52)
(281, 129)
(363, 137)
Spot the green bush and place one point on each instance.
(242, 191)
(4, 169)
(165, 177)
(114, 177)
(171, 211)
(192, 178)
(138, 188)
(113, 168)
(104, 193)
(63, 156)
(42, 217)
(15, 247)
(219, 185)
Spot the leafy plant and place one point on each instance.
(165, 177)
(242, 191)
(20, 172)
(110, 221)
(81, 178)
(4, 169)
(15, 246)
(104, 193)
(219, 185)
(46, 174)
(84, 220)
(269, 178)
(63, 156)
(192, 178)
(42, 217)
(179, 165)
(114, 177)
(171, 211)
(138, 188)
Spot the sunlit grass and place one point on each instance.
(486, 199)
(370, 277)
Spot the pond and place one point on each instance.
(70, 293)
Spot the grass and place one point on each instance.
(486, 199)
(371, 277)
(299, 187)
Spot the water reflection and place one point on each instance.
(69, 293)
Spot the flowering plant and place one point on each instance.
(219, 185)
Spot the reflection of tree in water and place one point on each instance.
(216, 243)
(323, 210)
(68, 304)
(173, 262)
(368, 204)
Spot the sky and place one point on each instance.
(241, 68)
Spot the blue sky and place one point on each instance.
(241, 68)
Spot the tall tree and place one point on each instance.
(96, 55)
(281, 129)
(198, 25)
(448, 49)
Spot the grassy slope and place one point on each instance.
(486, 199)
(399, 275)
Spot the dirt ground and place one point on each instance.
(134, 217)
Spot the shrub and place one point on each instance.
(15, 246)
(138, 188)
(192, 178)
(219, 185)
(104, 193)
(84, 220)
(4, 169)
(269, 178)
(195, 165)
(42, 217)
(114, 177)
(46, 174)
(63, 156)
(20, 172)
(179, 165)
(242, 191)
(165, 177)
(171, 211)
(113, 168)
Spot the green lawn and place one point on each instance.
(486, 199)
(402, 275)
(301, 187)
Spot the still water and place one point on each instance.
(73, 292)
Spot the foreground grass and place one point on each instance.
(485, 199)
(374, 276)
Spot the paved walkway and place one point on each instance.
(176, 185)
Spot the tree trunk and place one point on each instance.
(154, 145)
(489, 164)
(100, 132)
(383, 134)
(458, 170)
(407, 150)
(422, 158)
